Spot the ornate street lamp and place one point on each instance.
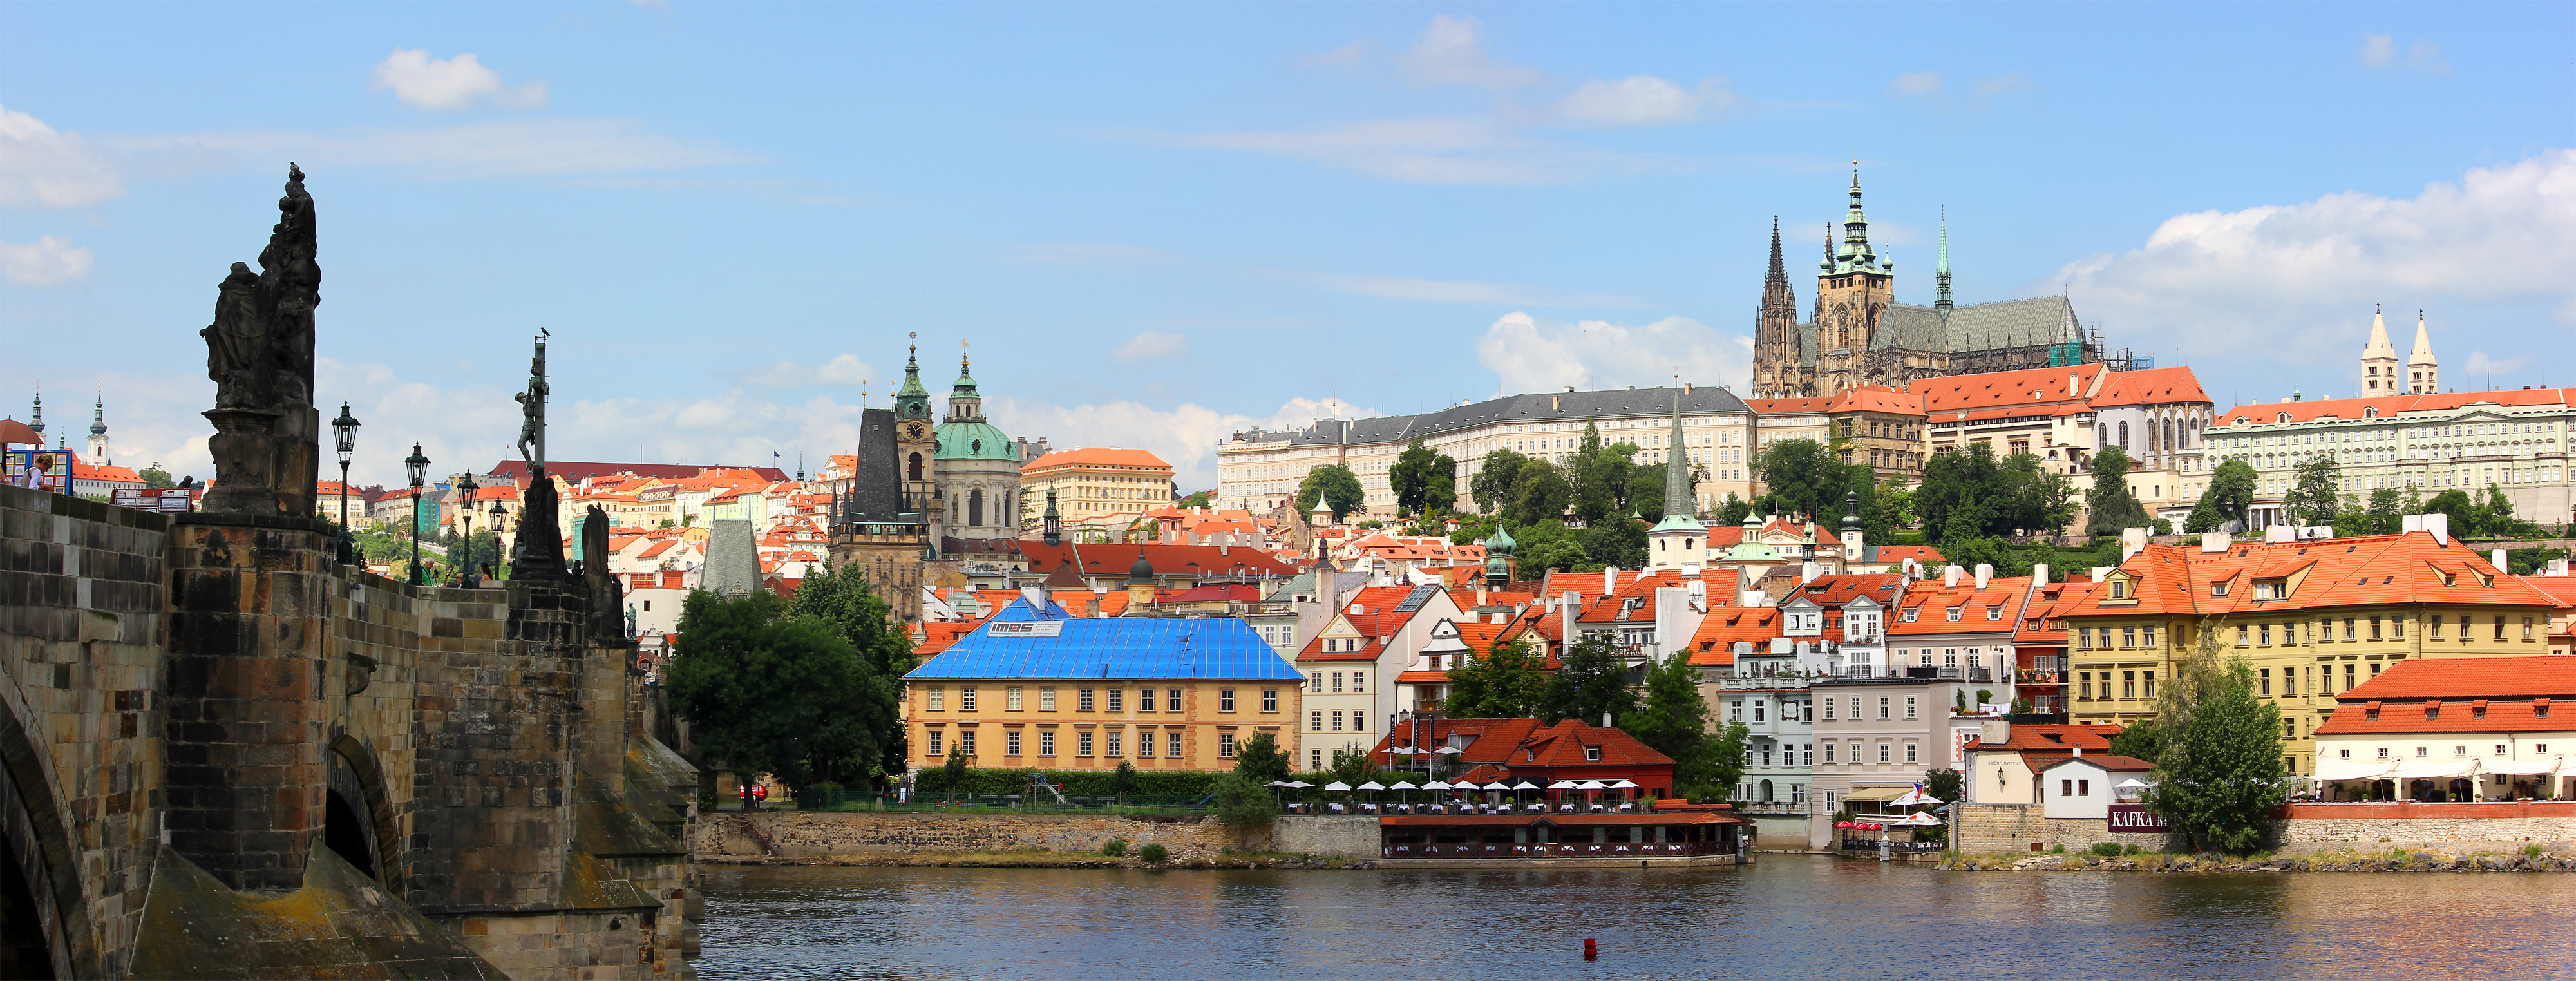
(465, 566)
(418, 466)
(344, 432)
(499, 514)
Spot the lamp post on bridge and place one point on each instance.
(418, 466)
(500, 513)
(344, 433)
(465, 489)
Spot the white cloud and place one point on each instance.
(1150, 344)
(1456, 291)
(49, 261)
(846, 369)
(1088, 254)
(462, 82)
(2380, 51)
(1452, 52)
(1346, 57)
(2216, 283)
(1916, 83)
(1530, 355)
(39, 166)
(1644, 100)
(2481, 365)
(1185, 436)
(547, 147)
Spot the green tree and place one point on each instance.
(842, 599)
(1646, 491)
(1896, 504)
(1616, 541)
(1731, 511)
(2033, 499)
(2141, 740)
(2229, 496)
(1592, 684)
(1674, 721)
(1601, 477)
(1123, 780)
(1259, 760)
(1410, 477)
(1803, 476)
(2455, 502)
(155, 478)
(2385, 514)
(1335, 485)
(2114, 507)
(1440, 489)
(1508, 682)
(2219, 772)
(1942, 784)
(2313, 496)
(1495, 484)
(2350, 519)
(1540, 494)
(1547, 545)
(765, 692)
(1351, 766)
(2495, 515)
(1199, 500)
(1956, 479)
(1243, 804)
(1731, 752)
(953, 776)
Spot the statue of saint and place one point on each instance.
(532, 404)
(259, 350)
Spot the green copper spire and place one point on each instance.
(965, 386)
(1941, 273)
(912, 401)
(1856, 255)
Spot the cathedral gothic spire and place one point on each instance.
(1941, 271)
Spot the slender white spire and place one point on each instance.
(2379, 369)
(2423, 373)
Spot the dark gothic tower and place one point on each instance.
(1775, 327)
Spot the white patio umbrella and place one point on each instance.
(1436, 785)
(2132, 783)
(1565, 785)
(1624, 784)
(1400, 787)
(1917, 819)
(1338, 786)
(1371, 785)
(1916, 798)
(1593, 785)
(1299, 784)
(1279, 783)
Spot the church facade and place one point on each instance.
(1858, 334)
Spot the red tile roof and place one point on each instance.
(2388, 405)
(1096, 457)
(2375, 570)
(1930, 602)
(1106, 559)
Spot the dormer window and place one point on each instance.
(1592, 754)
(1994, 613)
(2273, 589)
(1908, 617)
(2119, 589)
(2219, 588)
(1954, 613)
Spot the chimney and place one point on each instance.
(2213, 542)
(1355, 609)
(2273, 534)
(1609, 580)
(1036, 594)
(1565, 619)
(2038, 574)
(2132, 541)
(2101, 571)
(1808, 571)
(2497, 558)
(1949, 576)
(2079, 751)
(1994, 732)
(1605, 720)
(1985, 574)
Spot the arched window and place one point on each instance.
(975, 507)
(914, 471)
(2124, 435)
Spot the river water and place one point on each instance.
(1786, 917)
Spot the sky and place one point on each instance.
(1156, 225)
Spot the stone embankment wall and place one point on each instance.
(813, 835)
(2306, 828)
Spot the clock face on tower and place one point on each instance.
(916, 428)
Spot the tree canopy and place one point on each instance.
(1674, 720)
(1803, 476)
(2315, 491)
(842, 599)
(2113, 506)
(766, 692)
(1540, 493)
(1260, 760)
(1592, 684)
(155, 478)
(1547, 545)
(1508, 682)
(1336, 486)
(1601, 477)
(2219, 772)
(1493, 485)
(1410, 478)
(2228, 497)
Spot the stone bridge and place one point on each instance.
(222, 754)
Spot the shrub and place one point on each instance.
(1116, 848)
(2107, 849)
(2531, 851)
(2131, 850)
(1153, 853)
(2058, 849)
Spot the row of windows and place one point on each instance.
(2421, 752)
(2128, 684)
(1885, 752)
(1315, 681)
(1315, 721)
(2129, 637)
(2290, 679)
(935, 699)
(1113, 743)
(1886, 705)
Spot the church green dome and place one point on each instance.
(973, 441)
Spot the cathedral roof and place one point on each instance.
(974, 441)
(2034, 322)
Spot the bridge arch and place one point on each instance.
(45, 928)
(358, 817)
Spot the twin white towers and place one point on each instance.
(2380, 373)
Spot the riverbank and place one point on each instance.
(1007, 839)
(2392, 861)
(1034, 859)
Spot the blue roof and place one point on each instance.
(1111, 648)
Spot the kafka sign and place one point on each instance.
(2136, 819)
(1028, 628)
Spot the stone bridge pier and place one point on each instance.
(222, 754)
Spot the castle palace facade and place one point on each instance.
(1859, 335)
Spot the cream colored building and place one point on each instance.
(1096, 481)
(1261, 469)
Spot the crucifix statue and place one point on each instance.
(532, 404)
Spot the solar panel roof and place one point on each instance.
(1210, 648)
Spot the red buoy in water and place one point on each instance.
(1590, 951)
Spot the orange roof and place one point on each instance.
(1879, 398)
(1930, 600)
(2374, 570)
(2461, 694)
(1642, 591)
(2044, 621)
(1927, 555)
(1778, 407)
(1096, 457)
(2388, 405)
(1714, 643)
(2560, 588)
(1946, 396)
(2153, 386)
(2043, 738)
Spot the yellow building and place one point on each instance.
(2313, 619)
(1097, 481)
(1036, 688)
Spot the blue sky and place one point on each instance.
(1161, 223)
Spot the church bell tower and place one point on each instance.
(1853, 290)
